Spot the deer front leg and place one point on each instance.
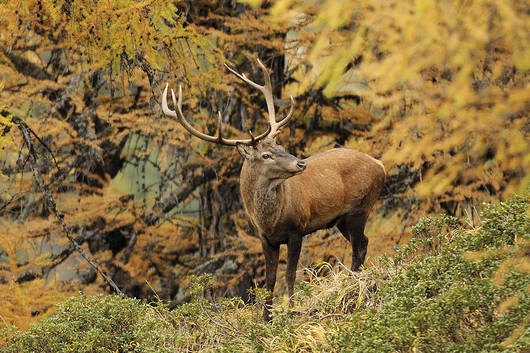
(271, 264)
(294, 246)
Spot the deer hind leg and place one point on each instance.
(271, 265)
(352, 228)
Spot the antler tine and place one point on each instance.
(219, 127)
(266, 89)
(269, 99)
(165, 108)
(180, 116)
(252, 138)
(286, 119)
(244, 78)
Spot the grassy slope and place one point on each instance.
(452, 289)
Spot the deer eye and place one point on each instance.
(266, 156)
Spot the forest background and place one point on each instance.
(439, 91)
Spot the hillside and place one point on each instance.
(456, 287)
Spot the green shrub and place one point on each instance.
(443, 302)
(95, 324)
(451, 289)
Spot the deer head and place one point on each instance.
(270, 160)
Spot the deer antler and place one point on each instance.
(216, 139)
(272, 130)
(266, 89)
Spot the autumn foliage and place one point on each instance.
(438, 90)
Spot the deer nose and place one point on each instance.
(301, 165)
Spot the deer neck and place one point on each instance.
(263, 199)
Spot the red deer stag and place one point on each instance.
(287, 198)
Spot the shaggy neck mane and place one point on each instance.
(262, 198)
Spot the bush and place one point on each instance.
(443, 302)
(95, 324)
(451, 289)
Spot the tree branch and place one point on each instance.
(26, 131)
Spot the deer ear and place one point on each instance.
(244, 150)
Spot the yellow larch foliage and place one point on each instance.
(449, 76)
(24, 301)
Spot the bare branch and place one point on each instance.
(26, 131)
